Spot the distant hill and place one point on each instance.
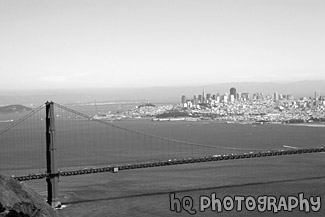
(14, 109)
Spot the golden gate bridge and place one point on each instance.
(55, 141)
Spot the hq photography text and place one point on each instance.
(238, 203)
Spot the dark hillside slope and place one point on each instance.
(18, 200)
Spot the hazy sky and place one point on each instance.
(135, 43)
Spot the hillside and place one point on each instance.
(14, 109)
(18, 200)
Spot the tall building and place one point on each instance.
(183, 99)
(200, 99)
(225, 98)
(317, 95)
(218, 98)
(245, 96)
(203, 97)
(195, 100)
(208, 97)
(233, 92)
(232, 98)
(239, 96)
(276, 96)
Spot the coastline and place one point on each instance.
(306, 125)
(196, 119)
(242, 123)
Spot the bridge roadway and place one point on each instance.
(171, 162)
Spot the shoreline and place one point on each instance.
(306, 125)
(241, 123)
(191, 119)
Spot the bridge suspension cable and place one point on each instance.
(85, 143)
(151, 135)
(23, 144)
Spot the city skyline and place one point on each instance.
(78, 44)
(156, 94)
(233, 96)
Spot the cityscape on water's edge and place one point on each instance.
(232, 107)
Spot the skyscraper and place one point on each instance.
(232, 98)
(233, 92)
(245, 96)
(208, 97)
(200, 99)
(276, 96)
(195, 100)
(183, 99)
(317, 95)
(203, 97)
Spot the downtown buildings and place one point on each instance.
(208, 99)
(257, 107)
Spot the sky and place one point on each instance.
(146, 43)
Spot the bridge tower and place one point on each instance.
(51, 159)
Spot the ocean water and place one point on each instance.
(85, 143)
(82, 143)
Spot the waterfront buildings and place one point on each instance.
(245, 109)
(266, 108)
